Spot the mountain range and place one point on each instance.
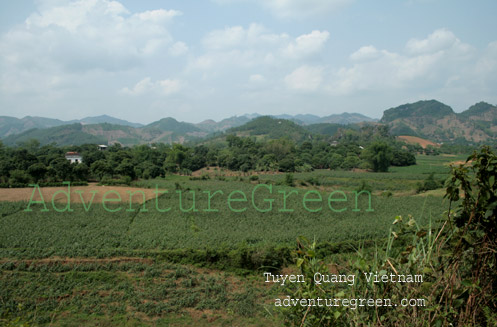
(13, 130)
(428, 119)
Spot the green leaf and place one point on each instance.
(427, 270)
(300, 261)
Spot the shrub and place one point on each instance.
(289, 180)
(429, 184)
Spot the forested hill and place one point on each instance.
(272, 128)
(438, 122)
(167, 130)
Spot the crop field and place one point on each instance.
(193, 255)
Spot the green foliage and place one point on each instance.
(401, 157)
(429, 184)
(379, 155)
(273, 128)
(456, 263)
(431, 109)
(476, 226)
(289, 180)
(364, 186)
(63, 135)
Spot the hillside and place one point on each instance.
(106, 119)
(11, 125)
(167, 130)
(61, 135)
(417, 140)
(272, 128)
(213, 126)
(438, 122)
(325, 128)
(346, 119)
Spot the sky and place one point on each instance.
(212, 59)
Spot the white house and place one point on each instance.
(74, 157)
(102, 147)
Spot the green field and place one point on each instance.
(57, 268)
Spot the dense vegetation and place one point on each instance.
(368, 148)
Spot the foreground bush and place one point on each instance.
(457, 262)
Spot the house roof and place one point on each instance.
(72, 154)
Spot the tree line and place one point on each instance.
(30, 162)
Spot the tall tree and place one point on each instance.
(379, 156)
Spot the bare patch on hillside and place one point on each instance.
(417, 140)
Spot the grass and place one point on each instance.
(131, 294)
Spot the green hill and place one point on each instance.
(172, 125)
(427, 110)
(61, 135)
(166, 130)
(478, 111)
(12, 125)
(326, 128)
(272, 128)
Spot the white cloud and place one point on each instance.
(305, 78)
(303, 8)
(178, 49)
(298, 9)
(307, 44)
(146, 86)
(431, 63)
(239, 37)
(255, 46)
(158, 16)
(169, 86)
(86, 34)
(439, 40)
(140, 88)
(365, 53)
(73, 38)
(257, 78)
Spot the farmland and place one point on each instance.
(148, 267)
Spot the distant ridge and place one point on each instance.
(12, 125)
(437, 122)
(105, 119)
(428, 119)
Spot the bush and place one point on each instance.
(364, 186)
(429, 184)
(313, 181)
(19, 177)
(289, 180)
(254, 178)
(386, 194)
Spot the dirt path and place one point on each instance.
(77, 193)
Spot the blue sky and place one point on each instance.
(195, 60)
